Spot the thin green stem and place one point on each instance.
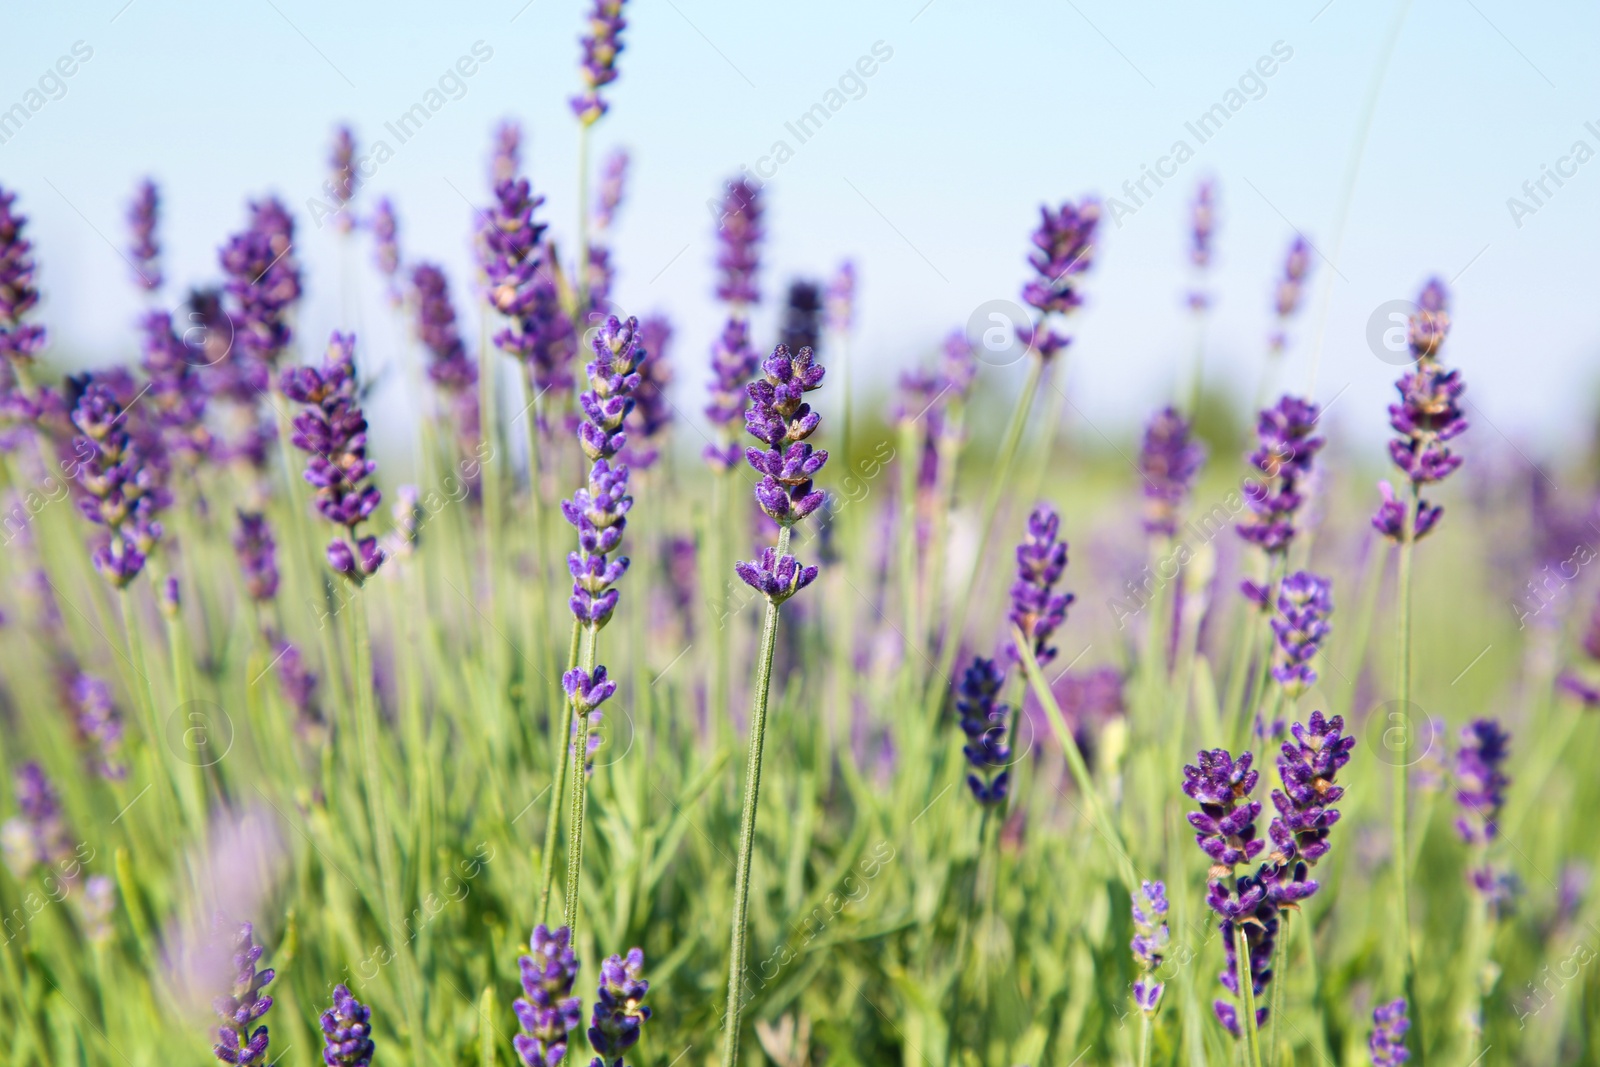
(552, 818)
(1247, 993)
(1401, 757)
(1144, 1038)
(1280, 973)
(747, 825)
(580, 781)
(991, 505)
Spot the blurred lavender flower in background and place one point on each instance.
(386, 246)
(739, 234)
(733, 363)
(1285, 450)
(1036, 608)
(143, 250)
(1301, 625)
(652, 411)
(601, 45)
(839, 302)
(1149, 942)
(449, 366)
(505, 160)
(613, 183)
(1387, 1045)
(1291, 288)
(802, 316)
(20, 340)
(38, 837)
(257, 552)
(1202, 227)
(99, 724)
(263, 281)
(983, 720)
(341, 183)
(1169, 461)
(1481, 780)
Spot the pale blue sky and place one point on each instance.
(930, 180)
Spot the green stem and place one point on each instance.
(1247, 993)
(1280, 973)
(552, 818)
(378, 814)
(747, 825)
(991, 504)
(1144, 1039)
(1402, 770)
(580, 781)
(174, 796)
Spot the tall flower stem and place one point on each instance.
(747, 824)
(1247, 991)
(991, 505)
(580, 262)
(552, 819)
(580, 780)
(378, 812)
(718, 547)
(1402, 770)
(145, 696)
(1145, 1026)
(1279, 972)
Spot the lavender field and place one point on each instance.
(489, 677)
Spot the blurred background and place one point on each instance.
(929, 175)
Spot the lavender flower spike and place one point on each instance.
(1149, 943)
(38, 837)
(1481, 780)
(333, 431)
(548, 1012)
(341, 183)
(1169, 462)
(19, 341)
(619, 1009)
(243, 1005)
(505, 160)
(1299, 830)
(734, 362)
(263, 282)
(386, 245)
(99, 725)
(601, 46)
(257, 553)
(983, 720)
(839, 301)
(1387, 1045)
(1064, 249)
(1291, 287)
(1036, 608)
(144, 252)
(779, 418)
(1304, 603)
(118, 487)
(1287, 445)
(739, 234)
(347, 1031)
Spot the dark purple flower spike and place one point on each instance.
(1287, 444)
(1301, 625)
(1169, 461)
(601, 45)
(119, 487)
(983, 720)
(347, 1031)
(243, 1004)
(20, 341)
(1299, 830)
(619, 1009)
(263, 282)
(548, 1012)
(1036, 608)
(1481, 783)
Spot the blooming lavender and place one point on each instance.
(257, 553)
(1287, 445)
(1225, 829)
(734, 362)
(1149, 944)
(601, 45)
(244, 1004)
(587, 690)
(983, 720)
(20, 341)
(1481, 780)
(599, 509)
(619, 1009)
(333, 431)
(1064, 246)
(652, 411)
(299, 687)
(143, 251)
(548, 1012)
(1037, 610)
(1301, 625)
(1169, 461)
(1299, 831)
(1387, 1045)
(175, 400)
(1202, 227)
(780, 418)
(386, 245)
(802, 316)
(347, 1031)
(38, 837)
(739, 234)
(505, 158)
(99, 725)
(839, 300)
(522, 287)
(449, 366)
(263, 281)
(341, 183)
(613, 183)
(1291, 287)
(1426, 419)
(119, 488)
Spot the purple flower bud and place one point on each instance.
(1064, 249)
(548, 1012)
(776, 578)
(739, 234)
(619, 1010)
(347, 1031)
(243, 1005)
(1387, 1044)
(1284, 457)
(1481, 780)
(1036, 609)
(984, 720)
(1149, 942)
(1304, 603)
(601, 45)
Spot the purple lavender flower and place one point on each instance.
(1299, 831)
(1065, 246)
(802, 316)
(601, 46)
(509, 248)
(99, 725)
(1290, 289)
(1287, 447)
(19, 341)
(38, 837)
(341, 183)
(1202, 223)
(347, 1031)
(175, 401)
(774, 577)
(739, 236)
(1149, 943)
(263, 281)
(983, 720)
(1481, 780)
(652, 411)
(1169, 462)
(613, 183)
(333, 431)
(839, 301)
(1428, 416)
(1036, 608)
(619, 1009)
(298, 685)
(548, 1012)
(386, 245)
(734, 362)
(1387, 1044)
(118, 486)
(243, 1005)
(1226, 832)
(1301, 625)
(257, 553)
(144, 251)
(779, 418)
(449, 366)
(506, 158)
